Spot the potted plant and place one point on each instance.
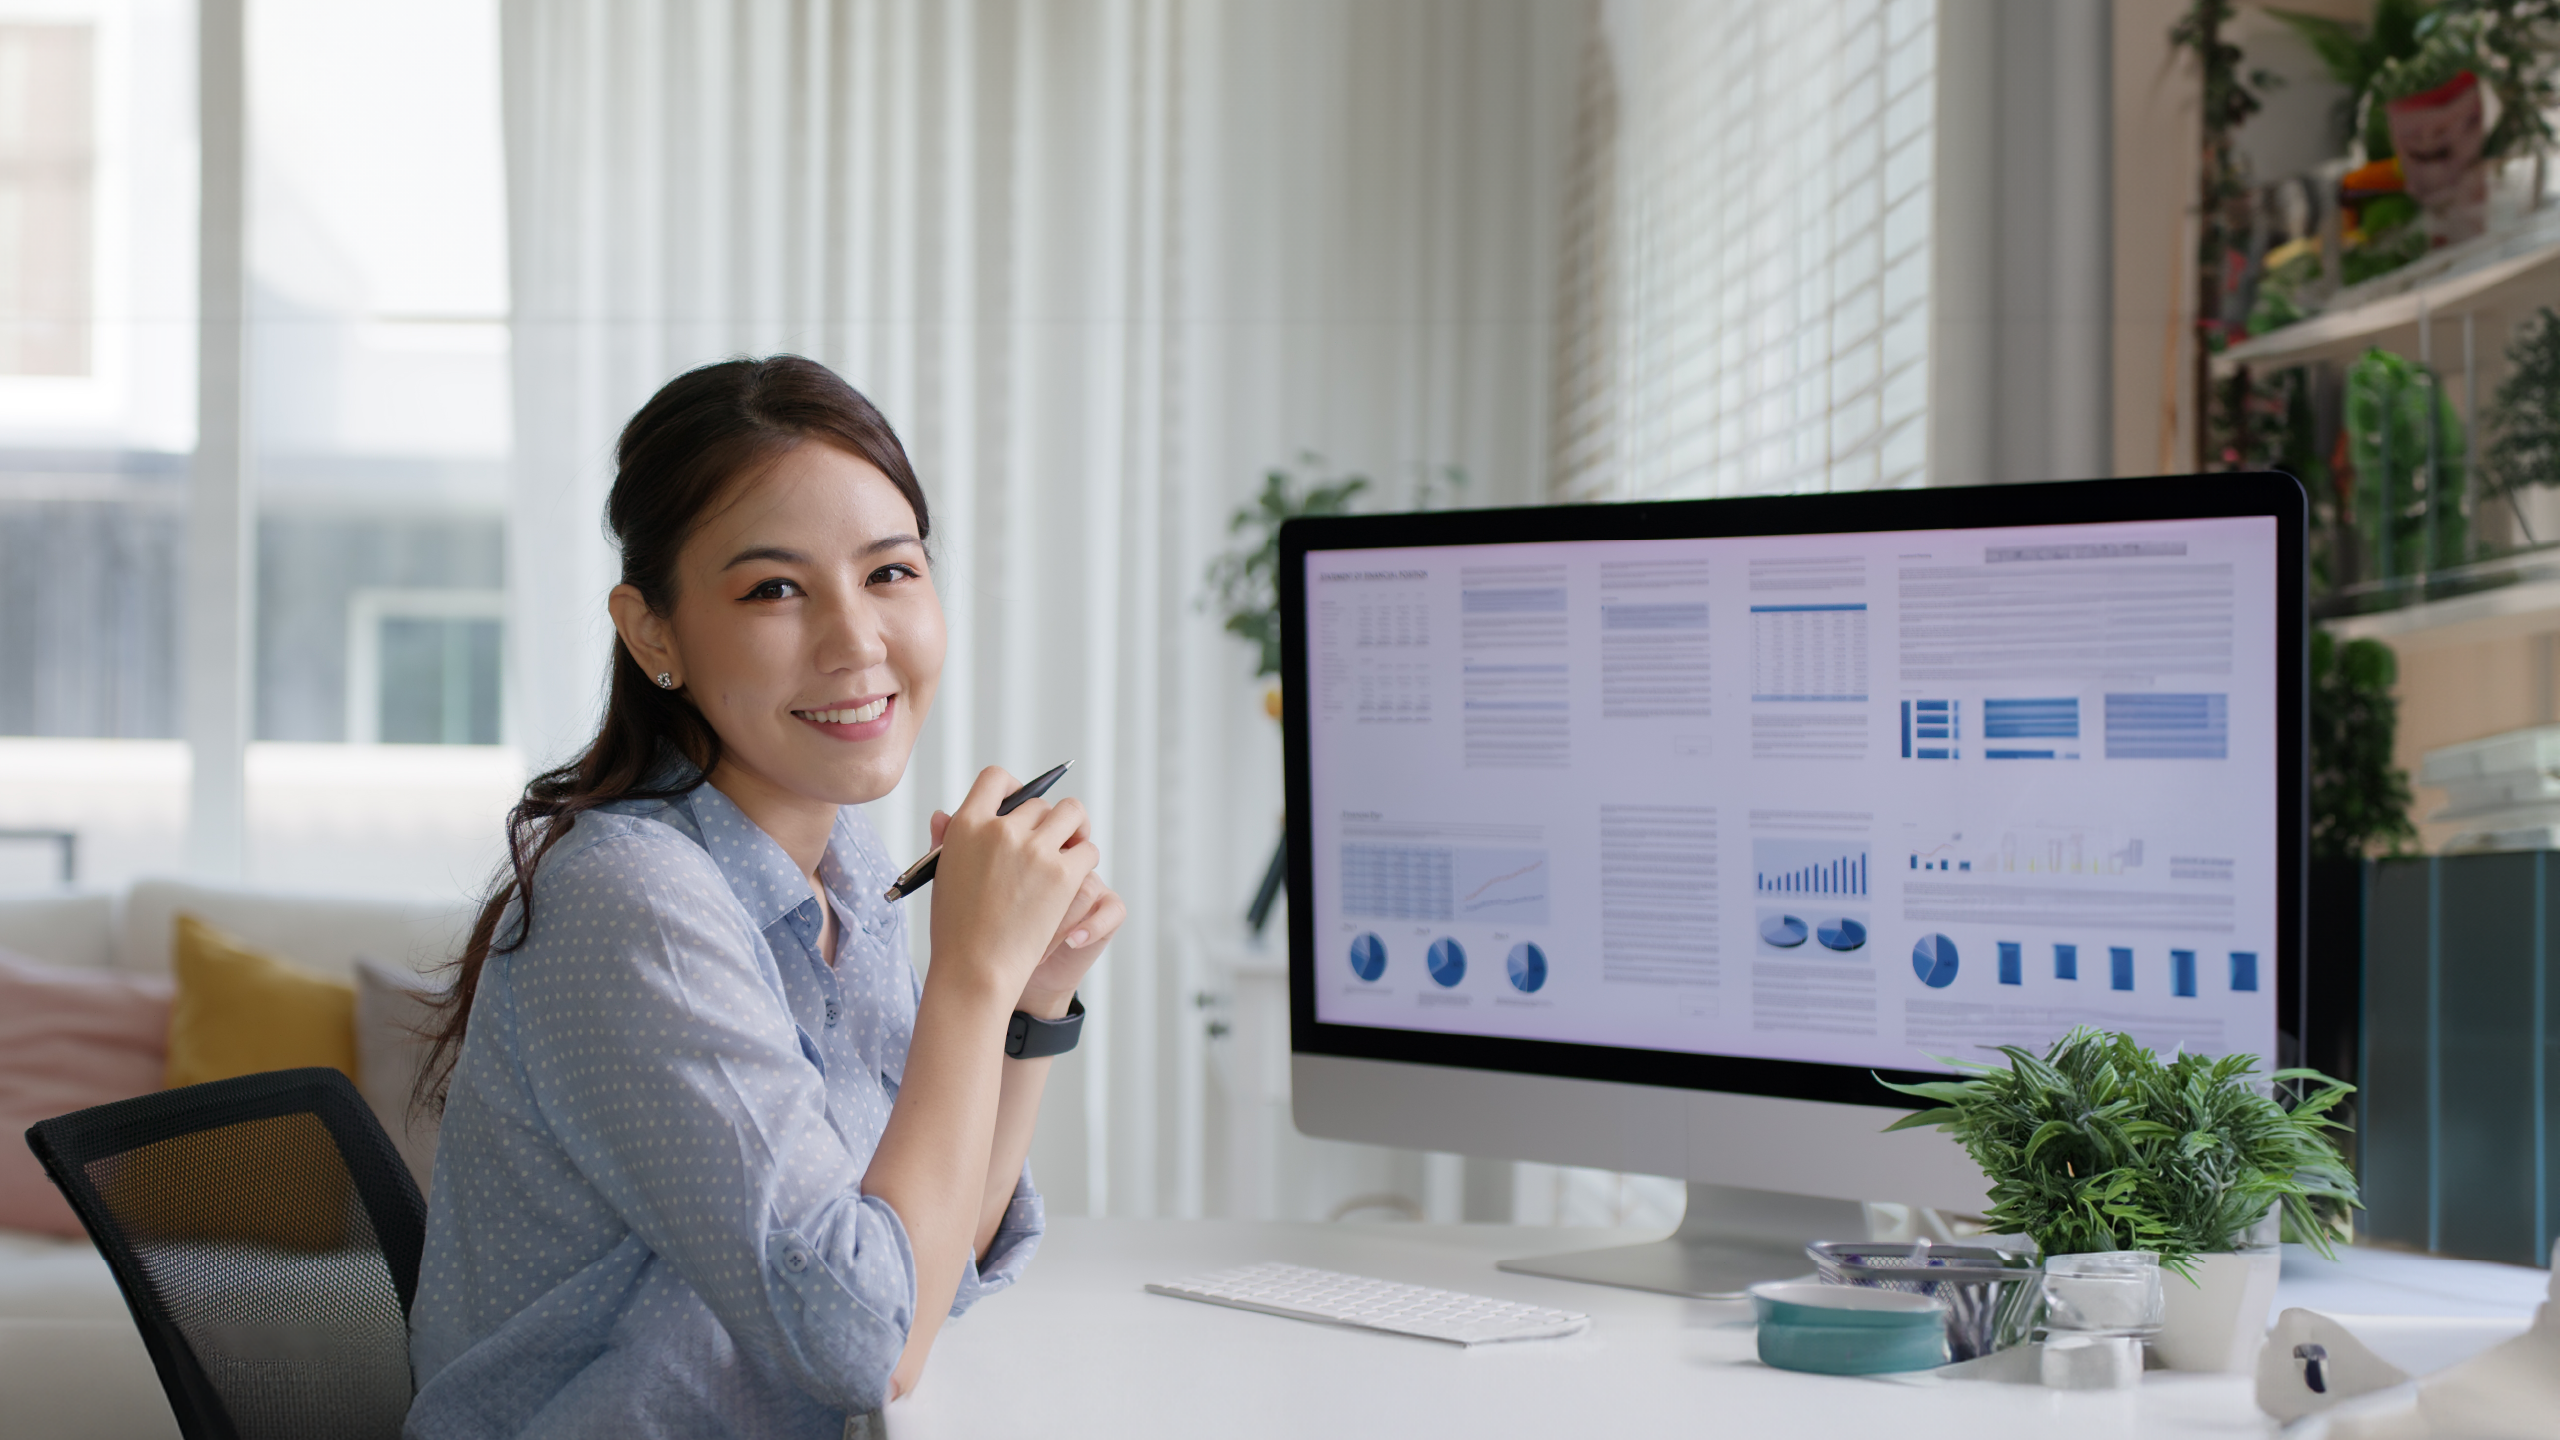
(2099, 1144)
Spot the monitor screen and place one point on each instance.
(1796, 805)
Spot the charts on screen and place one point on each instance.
(1808, 867)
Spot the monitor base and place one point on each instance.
(1729, 1238)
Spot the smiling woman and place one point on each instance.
(713, 1161)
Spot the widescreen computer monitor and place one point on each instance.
(1648, 836)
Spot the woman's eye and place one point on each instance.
(774, 590)
(889, 573)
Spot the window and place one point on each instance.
(423, 666)
(46, 175)
(1745, 304)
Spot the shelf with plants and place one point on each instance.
(2383, 324)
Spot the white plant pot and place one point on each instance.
(2216, 1322)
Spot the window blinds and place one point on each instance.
(1744, 297)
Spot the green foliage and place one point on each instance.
(2519, 51)
(2355, 54)
(2098, 1144)
(1245, 580)
(2359, 799)
(2398, 416)
(2448, 44)
(2524, 418)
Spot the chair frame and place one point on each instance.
(67, 1144)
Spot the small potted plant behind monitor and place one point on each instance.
(2099, 1144)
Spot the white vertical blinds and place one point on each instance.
(1744, 304)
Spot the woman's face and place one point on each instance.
(806, 628)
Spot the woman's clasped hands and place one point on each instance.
(1016, 898)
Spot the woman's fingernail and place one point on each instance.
(1076, 938)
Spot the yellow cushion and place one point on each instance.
(240, 1011)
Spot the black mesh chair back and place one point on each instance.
(266, 1236)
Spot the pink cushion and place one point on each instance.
(69, 1039)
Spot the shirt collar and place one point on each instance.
(754, 863)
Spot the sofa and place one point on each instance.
(72, 1366)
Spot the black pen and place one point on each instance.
(920, 874)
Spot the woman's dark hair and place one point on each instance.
(678, 455)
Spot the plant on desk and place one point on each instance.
(2099, 1144)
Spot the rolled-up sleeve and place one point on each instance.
(657, 1048)
(1017, 1236)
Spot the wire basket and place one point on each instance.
(1992, 1296)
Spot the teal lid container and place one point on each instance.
(1848, 1330)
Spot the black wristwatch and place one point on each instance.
(1029, 1037)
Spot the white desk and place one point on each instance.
(1080, 1349)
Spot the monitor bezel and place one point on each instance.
(2271, 494)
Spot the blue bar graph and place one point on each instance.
(2168, 727)
(2119, 967)
(2055, 719)
(2182, 973)
(2066, 962)
(2013, 969)
(1932, 723)
(1808, 867)
(2244, 970)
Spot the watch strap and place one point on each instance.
(1028, 1037)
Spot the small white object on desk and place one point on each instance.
(1300, 1292)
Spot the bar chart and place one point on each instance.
(1808, 867)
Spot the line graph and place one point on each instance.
(1501, 885)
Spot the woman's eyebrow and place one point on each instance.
(766, 552)
(788, 556)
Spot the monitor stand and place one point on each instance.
(1728, 1238)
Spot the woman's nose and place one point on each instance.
(851, 637)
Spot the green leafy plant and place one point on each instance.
(1245, 580)
(2448, 44)
(2356, 54)
(2519, 43)
(2099, 1144)
(2404, 439)
(2359, 799)
(2524, 417)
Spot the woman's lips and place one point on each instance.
(866, 721)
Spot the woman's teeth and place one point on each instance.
(860, 714)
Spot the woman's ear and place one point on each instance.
(645, 634)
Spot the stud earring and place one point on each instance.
(666, 681)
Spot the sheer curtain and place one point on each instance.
(1746, 304)
(1102, 262)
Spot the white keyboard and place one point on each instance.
(1332, 1298)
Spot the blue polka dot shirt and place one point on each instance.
(647, 1216)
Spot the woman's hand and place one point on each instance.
(1092, 918)
(1007, 885)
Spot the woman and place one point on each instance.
(713, 1162)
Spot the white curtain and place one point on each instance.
(1746, 306)
(1102, 262)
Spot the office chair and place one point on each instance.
(266, 1237)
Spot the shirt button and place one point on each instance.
(795, 1261)
(831, 1012)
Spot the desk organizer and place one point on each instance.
(1992, 1297)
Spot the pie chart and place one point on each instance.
(1448, 961)
(1527, 967)
(1368, 957)
(1934, 961)
(1784, 931)
(1841, 934)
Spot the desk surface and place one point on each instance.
(1079, 1348)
